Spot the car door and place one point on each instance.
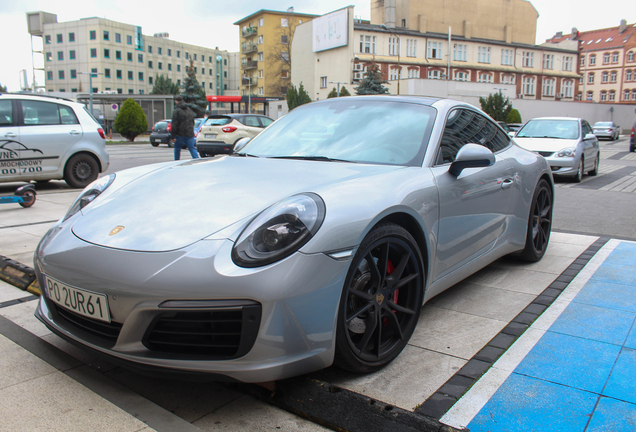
(474, 206)
(9, 138)
(252, 126)
(48, 130)
(590, 146)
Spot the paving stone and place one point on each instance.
(474, 369)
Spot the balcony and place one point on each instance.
(247, 65)
(249, 32)
(248, 48)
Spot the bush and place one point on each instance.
(513, 117)
(131, 120)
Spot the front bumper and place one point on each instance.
(292, 305)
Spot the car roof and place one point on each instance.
(28, 96)
(424, 100)
(556, 118)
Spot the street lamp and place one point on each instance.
(399, 48)
(90, 85)
(338, 82)
(249, 93)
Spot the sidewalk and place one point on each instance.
(574, 369)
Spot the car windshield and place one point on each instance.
(368, 131)
(602, 124)
(217, 121)
(161, 125)
(560, 129)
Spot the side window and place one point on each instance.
(586, 128)
(266, 121)
(252, 121)
(6, 113)
(468, 127)
(40, 113)
(67, 115)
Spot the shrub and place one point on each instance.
(131, 120)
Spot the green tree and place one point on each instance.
(192, 93)
(344, 92)
(496, 106)
(303, 96)
(513, 117)
(292, 97)
(3, 88)
(131, 120)
(333, 93)
(372, 82)
(164, 86)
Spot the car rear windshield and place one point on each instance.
(369, 131)
(602, 124)
(161, 125)
(218, 121)
(546, 128)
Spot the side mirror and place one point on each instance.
(589, 136)
(240, 144)
(471, 156)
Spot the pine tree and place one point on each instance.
(303, 96)
(372, 82)
(131, 120)
(292, 97)
(164, 86)
(332, 94)
(192, 93)
(496, 106)
(344, 92)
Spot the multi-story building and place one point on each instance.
(522, 70)
(124, 60)
(266, 37)
(607, 63)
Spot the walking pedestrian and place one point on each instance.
(182, 133)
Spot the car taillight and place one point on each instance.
(228, 129)
(196, 134)
(633, 132)
(101, 133)
(169, 127)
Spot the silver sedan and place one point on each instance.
(316, 243)
(607, 129)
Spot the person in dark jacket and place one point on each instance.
(182, 133)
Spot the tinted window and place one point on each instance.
(469, 127)
(40, 113)
(6, 113)
(251, 121)
(586, 128)
(217, 121)
(67, 115)
(265, 121)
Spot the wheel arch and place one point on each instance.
(91, 154)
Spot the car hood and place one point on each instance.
(544, 144)
(172, 207)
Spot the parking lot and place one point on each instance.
(49, 385)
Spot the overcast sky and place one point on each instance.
(210, 23)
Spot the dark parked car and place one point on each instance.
(632, 144)
(161, 133)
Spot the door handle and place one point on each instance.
(507, 183)
(10, 135)
(75, 132)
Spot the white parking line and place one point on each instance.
(469, 405)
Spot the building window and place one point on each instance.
(506, 56)
(187, 55)
(590, 78)
(606, 60)
(282, 56)
(528, 59)
(603, 96)
(49, 56)
(129, 39)
(367, 44)
(626, 95)
(150, 80)
(548, 61)
(169, 66)
(93, 52)
(528, 86)
(592, 59)
(73, 74)
(178, 68)
(283, 74)
(567, 88)
(130, 91)
(414, 73)
(567, 63)
(159, 66)
(411, 48)
(141, 91)
(461, 76)
(590, 95)
(508, 79)
(118, 73)
(60, 55)
(615, 57)
(60, 74)
(613, 76)
(434, 50)
(195, 56)
(393, 74)
(71, 37)
(47, 40)
(633, 94)
(140, 58)
(118, 55)
(628, 75)
(195, 69)
(118, 37)
(106, 35)
(179, 82)
(141, 76)
(260, 73)
(434, 74)
(548, 87)
(169, 52)
(485, 78)
(106, 53)
(159, 51)
(60, 38)
(107, 73)
(284, 22)
(49, 75)
(178, 54)
(260, 39)
(582, 62)
(129, 56)
(483, 55)
(394, 48)
(323, 82)
(149, 49)
(605, 77)
(92, 35)
(260, 91)
(202, 71)
(612, 95)
(630, 56)
(130, 75)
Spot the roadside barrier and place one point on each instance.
(19, 275)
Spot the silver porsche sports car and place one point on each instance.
(316, 243)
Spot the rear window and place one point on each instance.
(218, 121)
(47, 113)
(161, 125)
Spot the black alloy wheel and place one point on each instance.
(381, 300)
(539, 223)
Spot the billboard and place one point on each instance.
(331, 30)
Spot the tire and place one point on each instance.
(381, 300)
(154, 143)
(539, 223)
(578, 177)
(29, 199)
(632, 147)
(80, 170)
(594, 170)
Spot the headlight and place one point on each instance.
(567, 152)
(279, 231)
(89, 193)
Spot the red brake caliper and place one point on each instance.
(390, 269)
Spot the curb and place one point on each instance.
(19, 275)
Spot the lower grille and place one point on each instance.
(545, 154)
(217, 334)
(108, 331)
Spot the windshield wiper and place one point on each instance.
(312, 158)
(244, 155)
(540, 136)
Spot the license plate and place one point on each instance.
(82, 302)
(210, 135)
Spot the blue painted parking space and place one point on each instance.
(580, 375)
